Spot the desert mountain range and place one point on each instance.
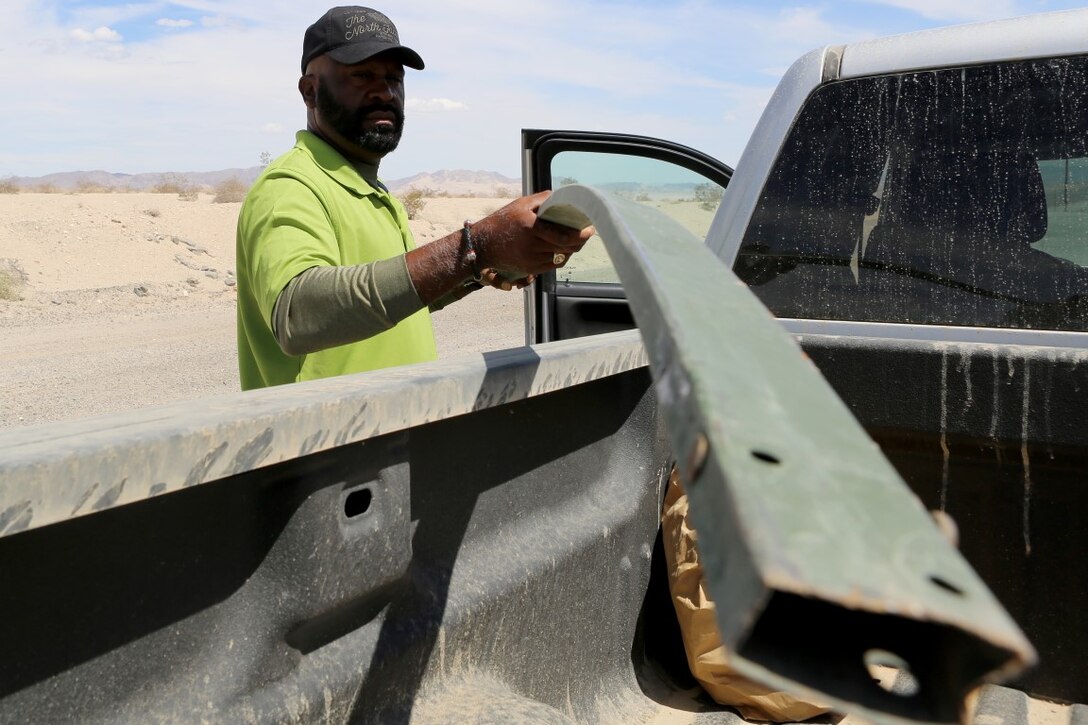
(437, 183)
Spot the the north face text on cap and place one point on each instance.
(373, 24)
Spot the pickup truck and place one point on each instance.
(477, 539)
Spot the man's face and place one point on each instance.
(363, 104)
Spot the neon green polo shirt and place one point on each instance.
(310, 207)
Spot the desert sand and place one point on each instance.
(127, 300)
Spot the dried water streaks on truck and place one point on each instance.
(199, 472)
(1025, 457)
(109, 499)
(351, 430)
(85, 498)
(313, 443)
(16, 518)
(964, 369)
(996, 408)
(1008, 412)
(254, 452)
(1011, 412)
(1048, 392)
(944, 430)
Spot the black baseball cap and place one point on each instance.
(351, 34)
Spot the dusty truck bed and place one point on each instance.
(277, 556)
(271, 557)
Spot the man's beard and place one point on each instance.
(351, 124)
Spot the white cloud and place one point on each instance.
(172, 23)
(432, 105)
(98, 35)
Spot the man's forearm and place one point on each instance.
(439, 269)
(326, 307)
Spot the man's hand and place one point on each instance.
(493, 278)
(513, 245)
(515, 242)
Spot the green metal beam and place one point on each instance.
(818, 556)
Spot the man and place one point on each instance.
(329, 278)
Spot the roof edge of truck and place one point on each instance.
(1021, 38)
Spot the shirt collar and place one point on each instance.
(369, 172)
(333, 163)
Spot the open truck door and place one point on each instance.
(585, 297)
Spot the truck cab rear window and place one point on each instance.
(951, 197)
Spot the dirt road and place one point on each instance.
(116, 361)
(127, 301)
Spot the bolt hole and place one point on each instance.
(357, 503)
(697, 457)
(766, 457)
(946, 585)
(891, 673)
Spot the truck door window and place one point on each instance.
(955, 197)
(1066, 184)
(684, 195)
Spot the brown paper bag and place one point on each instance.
(707, 657)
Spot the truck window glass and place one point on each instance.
(1065, 182)
(680, 193)
(954, 197)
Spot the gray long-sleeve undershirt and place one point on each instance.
(325, 307)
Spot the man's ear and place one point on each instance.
(307, 86)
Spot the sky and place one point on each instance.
(203, 85)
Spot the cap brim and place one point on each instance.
(358, 52)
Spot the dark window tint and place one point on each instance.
(954, 197)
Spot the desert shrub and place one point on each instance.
(9, 286)
(12, 280)
(89, 187)
(153, 212)
(46, 189)
(169, 184)
(708, 196)
(229, 191)
(174, 184)
(7, 186)
(413, 202)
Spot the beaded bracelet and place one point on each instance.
(470, 250)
